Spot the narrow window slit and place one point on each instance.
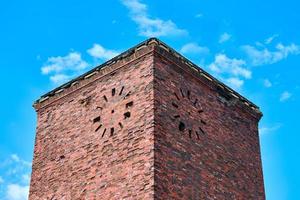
(112, 130)
(130, 104)
(121, 125)
(97, 119)
(103, 132)
(177, 97)
(105, 98)
(62, 157)
(121, 91)
(97, 129)
(175, 105)
(127, 115)
(113, 92)
(181, 126)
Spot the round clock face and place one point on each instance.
(188, 113)
(113, 110)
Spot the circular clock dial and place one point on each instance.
(112, 112)
(188, 113)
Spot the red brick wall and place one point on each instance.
(205, 147)
(145, 127)
(75, 159)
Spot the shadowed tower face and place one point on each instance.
(148, 124)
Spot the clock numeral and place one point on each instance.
(105, 98)
(127, 115)
(121, 91)
(175, 105)
(103, 132)
(181, 126)
(130, 104)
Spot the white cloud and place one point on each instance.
(231, 70)
(224, 37)
(16, 172)
(98, 51)
(265, 129)
(63, 68)
(199, 15)
(234, 67)
(270, 39)
(17, 192)
(285, 96)
(15, 158)
(60, 78)
(265, 56)
(26, 178)
(72, 61)
(194, 48)
(235, 83)
(149, 26)
(267, 83)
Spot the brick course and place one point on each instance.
(146, 127)
(205, 147)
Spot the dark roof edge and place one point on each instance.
(202, 72)
(113, 60)
(132, 50)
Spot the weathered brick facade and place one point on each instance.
(146, 125)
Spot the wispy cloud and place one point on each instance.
(26, 178)
(269, 40)
(263, 56)
(267, 83)
(232, 66)
(235, 83)
(224, 37)
(199, 15)
(285, 96)
(16, 173)
(17, 159)
(194, 48)
(17, 192)
(231, 70)
(58, 79)
(61, 69)
(98, 51)
(269, 129)
(71, 62)
(149, 26)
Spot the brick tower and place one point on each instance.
(148, 124)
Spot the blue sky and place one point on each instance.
(253, 46)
